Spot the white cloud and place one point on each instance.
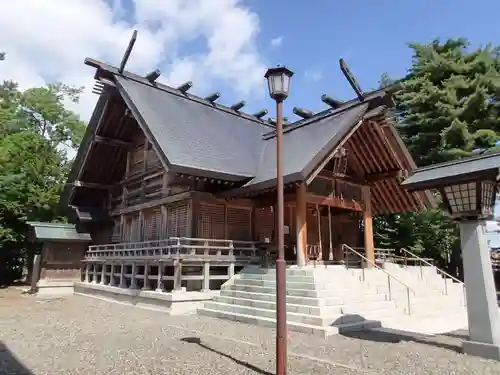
(50, 42)
(314, 74)
(276, 42)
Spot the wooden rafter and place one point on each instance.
(382, 165)
(112, 141)
(372, 177)
(91, 185)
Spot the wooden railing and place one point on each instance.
(167, 265)
(176, 247)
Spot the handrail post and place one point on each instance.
(408, 300)
(445, 286)
(363, 269)
(389, 286)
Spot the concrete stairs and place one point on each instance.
(318, 302)
(326, 300)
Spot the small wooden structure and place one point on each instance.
(58, 264)
(161, 170)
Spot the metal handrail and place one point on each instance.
(389, 276)
(439, 271)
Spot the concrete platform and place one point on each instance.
(175, 303)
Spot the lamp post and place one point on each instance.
(278, 81)
(468, 188)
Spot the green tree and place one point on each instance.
(35, 131)
(448, 108)
(450, 101)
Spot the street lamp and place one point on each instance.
(468, 188)
(278, 81)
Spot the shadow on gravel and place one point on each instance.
(197, 341)
(10, 364)
(396, 337)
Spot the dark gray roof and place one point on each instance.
(58, 232)
(304, 147)
(196, 136)
(440, 174)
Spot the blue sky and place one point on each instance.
(371, 36)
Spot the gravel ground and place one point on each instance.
(79, 335)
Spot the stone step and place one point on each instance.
(333, 277)
(321, 293)
(346, 298)
(357, 307)
(308, 301)
(293, 284)
(299, 327)
(290, 292)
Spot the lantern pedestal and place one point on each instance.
(482, 305)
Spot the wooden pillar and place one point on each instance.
(319, 256)
(368, 224)
(301, 227)
(330, 241)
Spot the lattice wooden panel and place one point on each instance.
(156, 223)
(148, 216)
(177, 220)
(211, 221)
(264, 223)
(116, 236)
(239, 224)
(312, 226)
(132, 230)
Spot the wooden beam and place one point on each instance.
(373, 177)
(91, 185)
(156, 202)
(112, 141)
(335, 202)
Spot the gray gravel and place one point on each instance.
(78, 335)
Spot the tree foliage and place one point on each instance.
(450, 101)
(36, 130)
(448, 108)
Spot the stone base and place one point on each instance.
(177, 303)
(55, 287)
(480, 349)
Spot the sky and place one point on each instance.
(226, 45)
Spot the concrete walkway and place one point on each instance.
(79, 335)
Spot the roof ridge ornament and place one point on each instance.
(351, 79)
(260, 114)
(212, 97)
(153, 75)
(334, 103)
(185, 87)
(304, 113)
(128, 51)
(237, 106)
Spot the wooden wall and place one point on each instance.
(62, 261)
(223, 221)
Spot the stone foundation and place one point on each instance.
(173, 303)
